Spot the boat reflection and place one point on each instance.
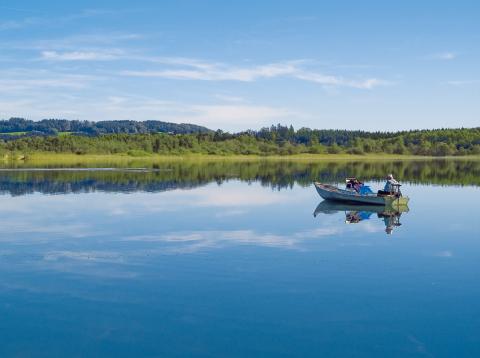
(356, 213)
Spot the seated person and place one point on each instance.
(354, 183)
(389, 186)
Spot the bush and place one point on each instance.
(138, 153)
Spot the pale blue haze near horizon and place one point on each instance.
(370, 65)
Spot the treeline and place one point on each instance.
(24, 127)
(436, 142)
(276, 140)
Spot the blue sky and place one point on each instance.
(243, 64)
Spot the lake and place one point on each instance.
(238, 259)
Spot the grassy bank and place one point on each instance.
(51, 159)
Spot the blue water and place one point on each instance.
(237, 269)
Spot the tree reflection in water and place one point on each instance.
(184, 174)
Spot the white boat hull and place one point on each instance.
(330, 192)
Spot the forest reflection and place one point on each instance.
(189, 174)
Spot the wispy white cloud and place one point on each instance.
(193, 241)
(81, 55)
(43, 95)
(335, 81)
(196, 70)
(15, 80)
(234, 197)
(10, 85)
(191, 69)
(229, 98)
(18, 24)
(96, 256)
(50, 21)
(444, 56)
(445, 254)
(15, 9)
(79, 42)
(218, 115)
(232, 212)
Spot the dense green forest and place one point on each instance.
(276, 140)
(24, 127)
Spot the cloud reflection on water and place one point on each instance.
(115, 235)
(192, 241)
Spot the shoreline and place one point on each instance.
(62, 158)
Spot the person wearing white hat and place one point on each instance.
(389, 185)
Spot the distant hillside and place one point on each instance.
(21, 126)
(112, 137)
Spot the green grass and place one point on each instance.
(14, 133)
(60, 134)
(139, 157)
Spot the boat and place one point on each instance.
(331, 192)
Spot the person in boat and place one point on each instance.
(358, 186)
(354, 183)
(390, 186)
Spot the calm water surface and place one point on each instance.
(238, 261)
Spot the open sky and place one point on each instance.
(234, 65)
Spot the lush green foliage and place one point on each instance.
(277, 140)
(54, 126)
